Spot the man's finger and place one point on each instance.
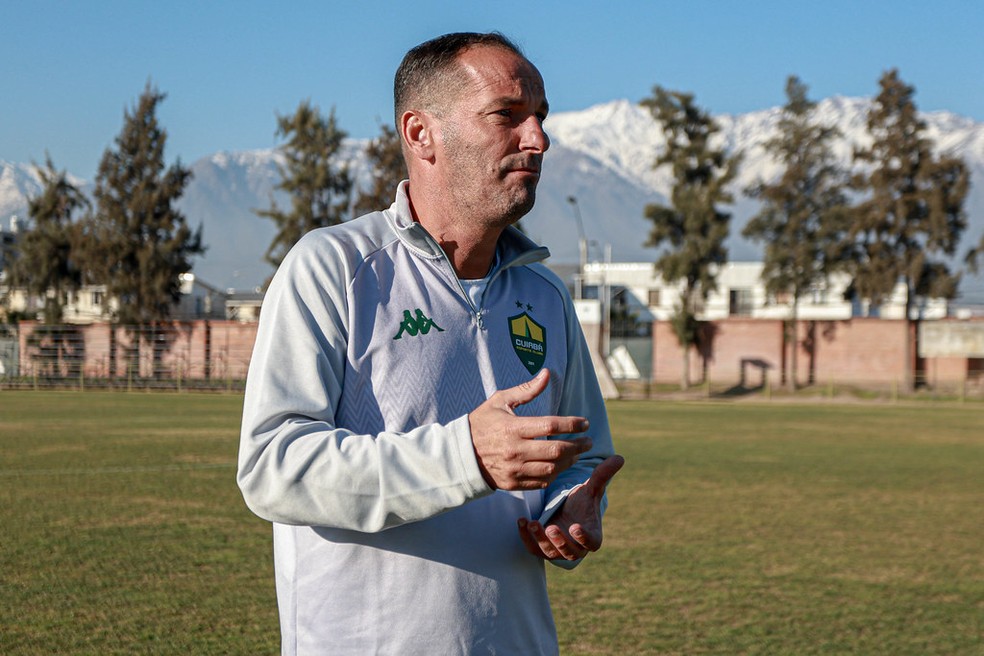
(524, 392)
(536, 541)
(590, 540)
(528, 541)
(551, 541)
(554, 450)
(569, 549)
(603, 474)
(533, 427)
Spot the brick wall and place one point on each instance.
(195, 349)
(735, 351)
(864, 351)
(753, 351)
(949, 369)
(231, 348)
(668, 356)
(747, 351)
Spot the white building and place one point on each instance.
(92, 303)
(741, 292)
(243, 307)
(199, 300)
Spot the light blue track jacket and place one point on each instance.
(355, 440)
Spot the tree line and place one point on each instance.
(898, 217)
(130, 236)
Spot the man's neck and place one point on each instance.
(469, 247)
(470, 255)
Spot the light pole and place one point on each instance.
(582, 248)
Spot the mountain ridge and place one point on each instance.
(601, 155)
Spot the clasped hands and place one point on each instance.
(510, 458)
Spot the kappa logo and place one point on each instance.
(416, 324)
(529, 341)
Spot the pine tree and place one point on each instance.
(974, 255)
(136, 242)
(385, 156)
(318, 186)
(45, 263)
(692, 227)
(803, 214)
(912, 211)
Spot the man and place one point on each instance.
(390, 424)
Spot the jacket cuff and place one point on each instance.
(471, 474)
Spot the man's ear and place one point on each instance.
(417, 128)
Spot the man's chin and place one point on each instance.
(521, 207)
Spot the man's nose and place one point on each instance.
(534, 137)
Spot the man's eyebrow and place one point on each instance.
(509, 100)
(543, 107)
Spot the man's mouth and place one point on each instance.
(531, 168)
(526, 170)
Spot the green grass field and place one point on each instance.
(735, 528)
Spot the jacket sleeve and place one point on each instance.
(581, 396)
(295, 465)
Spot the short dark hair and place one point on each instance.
(424, 70)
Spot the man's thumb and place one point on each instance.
(604, 473)
(526, 392)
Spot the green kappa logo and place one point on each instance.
(416, 324)
(529, 341)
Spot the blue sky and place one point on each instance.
(69, 69)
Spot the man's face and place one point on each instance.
(492, 139)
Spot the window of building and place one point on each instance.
(740, 302)
(654, 298)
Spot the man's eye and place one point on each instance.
(505, 112)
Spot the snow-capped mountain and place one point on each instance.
(18, 183)
(602, 156)
(623, 138)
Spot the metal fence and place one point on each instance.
(832, 390)
(206, 355)
(214, 355)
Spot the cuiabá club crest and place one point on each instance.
(529, 341)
